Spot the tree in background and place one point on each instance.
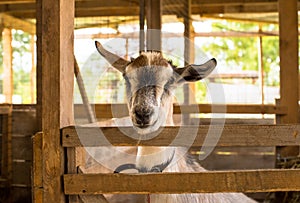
(21, 64)
(242, 52)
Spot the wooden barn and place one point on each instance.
(43, 153)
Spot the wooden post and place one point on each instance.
(55, 71)
(288, 49)
(7, 65)
(33, 70)
(142, 26)
(37, 168)
(288, 20)
(261, 67)
(153, 18)
(189, 96)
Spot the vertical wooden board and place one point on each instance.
(66, 62)
(7, 65)
(33, 70)
(37, 168)
(72, 169)
(153, 19)
(56, 69)
(6, 166)
(288, 20)
(289, 73)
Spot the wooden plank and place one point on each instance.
(232, 135)
(6, 150)
(288, 50)
(7, 65)
(55, 65)
(37, 168)
(102, 8)
(232, 108)
(121, 110)
(204, 182)
(16, 23)
(33, 70)
(72, 169)
(22, 173)
(154, 21)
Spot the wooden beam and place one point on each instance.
(55, 65)
(288, 47)
(232, 135)
(188, 95)
(15, 23)
(37, 168)
(178, 183)
(104, 111)
(7, 65)
(131, 8)
(153, 19)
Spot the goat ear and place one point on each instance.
(116, 61)
(192, 72)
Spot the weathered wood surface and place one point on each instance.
(6, 148)
(7, 80)
(55, 72)
(232, 135)
(288, 52)
(37, 168)
(26, 9)
(120, 110)
(204, 182)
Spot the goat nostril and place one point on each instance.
(142, 116)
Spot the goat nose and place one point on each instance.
(142, 115)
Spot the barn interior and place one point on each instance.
(53, 80)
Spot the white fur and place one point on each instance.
(148, 157)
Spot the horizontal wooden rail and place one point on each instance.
(232, 135)
(270, 180)
(120, 110)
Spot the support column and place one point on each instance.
(33, 70)
(288, 45)
(7, 65)
(289, 71)
(55, 72)
(261, 66)
(189, 96)
(153, 18)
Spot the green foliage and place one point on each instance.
(21, 64)
(241, 53)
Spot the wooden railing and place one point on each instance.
(106, 110)
(202, 182)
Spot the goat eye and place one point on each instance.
(169, 83)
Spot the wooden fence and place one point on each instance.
(212, 181)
